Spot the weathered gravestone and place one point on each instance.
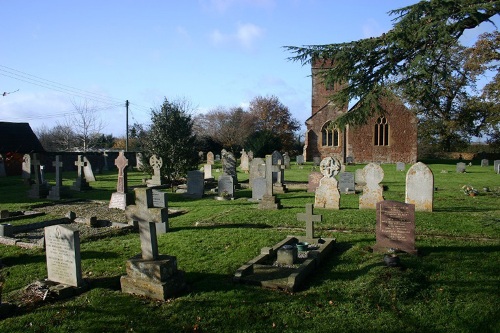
(250, 156)
(81, 183)
(257, 170)
(26, 168)
(121, 198)
(258, 188)
(56, 191)
(299, 159)
(327, 193)
(62, 249)
(229, 166)
(87, 169)
(349, 160)
(38, 189)
(279, 174)
(225, 187)
(372, 191)
(210, 158)
(151, 274)
(420, 187)
(309, 218)
(139, 161)
(2, 167)
(105, 158)
(156, 163)
(286, 160)
(195, 184)
(359, 178)
(400, 166)
(244, 161)
(395, 227)
(461, 167)
(144, 210)
(268, 200)
(207, 171)
(313, 181)
(485, 162)
(346, 183)
(496, 166)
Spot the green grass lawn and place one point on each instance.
(453, 285)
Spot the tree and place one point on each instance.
(58, 138)
(272, 116)
(263, 142)
(230, 128)
(170, 136)
(85, 125)
(397, 57)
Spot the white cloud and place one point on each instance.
(245, 36)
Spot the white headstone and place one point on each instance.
(372, 191)
(420, 187)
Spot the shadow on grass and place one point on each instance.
(463, 209)
(223, 226)
(465, 250)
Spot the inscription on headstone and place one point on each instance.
(395, 226)
(346, 183)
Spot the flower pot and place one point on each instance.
(302, 246)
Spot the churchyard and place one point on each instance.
(450, 285)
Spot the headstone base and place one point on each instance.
(120, 200)
(279, 188)
(158, 279)
(269, 202)
(59, 291)
(384, 249)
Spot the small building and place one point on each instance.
(387, 139)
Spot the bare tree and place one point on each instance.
(85, 124)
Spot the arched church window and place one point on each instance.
(329, 136)
(381, 133)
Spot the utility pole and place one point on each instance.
(126, 131)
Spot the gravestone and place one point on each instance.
(210, 158)
(258, 188)
(244, 162)
(372, 191)
(313, 181)
(121, 198)
(349, 160)
(279, 174)
(145, 210)
(395, 227)
(87, 169)
(38, 189)
(151, 274)
(26, 168)
(42, 175)
(62, 250)
(105, 159)
(461, 167)
(286, 160)
(485, 162)
(496, 166)
(420, 187)
(160, 199)
(316, 160)
(257, 169)
(299, 159)
(217, 157)
(56, 191)
(400, 166)
(225, 187)
(195, 184)
(327, 193)
(268, 200)
(2, 167)
(250, 156)
(81, 183)
(156, 163)
(346, 183)
(309, 218)
(207, 171)
(359, 178)
(138, 161)
(229, 166)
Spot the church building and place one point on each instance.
(386, 139)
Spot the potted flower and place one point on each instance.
(469, 190)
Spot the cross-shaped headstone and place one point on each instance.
(149, 241)
(80, 164)
(309, 218)
(270, 168)
(156, 163)
(58, 164)
(35, 162)
(121, 163)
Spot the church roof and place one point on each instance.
(18, 138)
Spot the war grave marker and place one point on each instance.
(287, 264)
(395, 227)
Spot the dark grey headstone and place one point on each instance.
(226, 186)
(299, 159)
(195, 184)
(400, 166)
(395, 226)
(346, 183)
(159, 199)
(2, 167)
(286, 160)
(258, 188)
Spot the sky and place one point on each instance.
(211, 53)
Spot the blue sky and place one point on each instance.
(209, 52)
